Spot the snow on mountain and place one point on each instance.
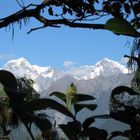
(104, 68)
(43, 76)
(97, 80)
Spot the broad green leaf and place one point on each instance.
(121, 26)
(71, 129)
(82, 97)
(91, 120)
(95, 133)
(59, 95)
(70, 94)
(41, 104)
(79, 107)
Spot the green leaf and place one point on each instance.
(79, 107)
(41, 104)
(70, 94)
(72, 129)
(95, 133)
(71, 90)
(121, 26)
(59, 95)
(91, 119)
(82, 97)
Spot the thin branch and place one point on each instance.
(68, 23)
(19, 4)
(33, 29)
(131, 2)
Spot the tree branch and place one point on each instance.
(66, 22)
(27, 13)
(35, 12)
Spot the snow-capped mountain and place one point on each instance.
(97, 80)
(103, 68)
(44, 77)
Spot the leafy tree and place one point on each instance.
(26, 85)
(126, 107)
(134, 64)
(122, 16)
(26, 110)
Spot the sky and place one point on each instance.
(58, 47)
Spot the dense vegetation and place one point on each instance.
(122, 17)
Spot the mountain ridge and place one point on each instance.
(97, 80)
(44, 77)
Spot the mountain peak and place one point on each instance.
(105, 61)
(47, 75)
(20, 61)
(107, 67)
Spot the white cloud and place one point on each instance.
(69, 63)
(6, 57)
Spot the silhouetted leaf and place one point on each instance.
(71, 129)
(121, 89)
(91, 119)
(59, 95)
(50, 11)
(118, 133)
(41, 104)
(127, 8)
(123, 116)
(70, 11)
(41, 122)
(16, 97)
(79, 107)
(7, 79)
(82, 97)
(121, 26)
(95, 133)
(65, 10)
(88, 122)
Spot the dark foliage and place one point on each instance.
(25, 110)
(80, 14)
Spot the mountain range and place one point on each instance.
(97, 80)
(45, 77)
